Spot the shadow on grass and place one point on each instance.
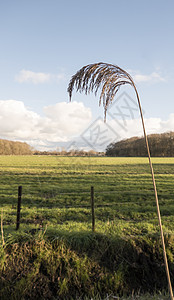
(140, 260)
(68, 265)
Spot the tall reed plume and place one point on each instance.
(109, 78)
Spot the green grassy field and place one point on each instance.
(56, 200)
(123, 191)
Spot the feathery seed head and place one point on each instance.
(108, 77)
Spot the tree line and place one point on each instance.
(160, 145)
(73, 152)
(20, 148)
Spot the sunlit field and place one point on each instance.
(56, 191)
(56, 212)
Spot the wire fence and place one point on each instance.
(91, 201)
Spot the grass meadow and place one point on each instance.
(55, 254)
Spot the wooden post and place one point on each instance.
(19, 206)
(92, 208)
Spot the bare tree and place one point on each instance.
(110, 78)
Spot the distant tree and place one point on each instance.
(14, 148)
(160, 145)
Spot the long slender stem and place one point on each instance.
(2, 232)
(111, 77)
(156, 198)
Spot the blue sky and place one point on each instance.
(43, 43)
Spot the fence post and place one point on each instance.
(19, 206)
(92, 208)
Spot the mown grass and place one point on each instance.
(124, 256)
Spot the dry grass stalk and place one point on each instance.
(2, 231)
(110, 78)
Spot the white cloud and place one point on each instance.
(69, 117)
(153, 125)
(15, 119)
(100, 134)
(153, 77)
(37, 77)
(60, 122)
(167, 125)
(64, 123)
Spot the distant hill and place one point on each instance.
(159, 144)
(14, 148)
